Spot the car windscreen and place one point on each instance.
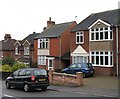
(40, 72)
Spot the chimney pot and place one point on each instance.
(7, 36)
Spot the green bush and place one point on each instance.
(6, 68)
(17, 66)
(8, 61)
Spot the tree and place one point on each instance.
(8, 61)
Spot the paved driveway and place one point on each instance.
(99, 86)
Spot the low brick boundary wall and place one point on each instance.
(66, 79)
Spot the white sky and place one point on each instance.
(22, 17)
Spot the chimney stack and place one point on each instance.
(50, 23)
(7, 37)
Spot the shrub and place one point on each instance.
(6, 68)
(8, 61)
(17, 66)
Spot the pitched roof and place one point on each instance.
(54, 31)
(30, 38)
(110, 17)
(8, 44)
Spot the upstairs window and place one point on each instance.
(43, 43)
(100, 34)
(17, 50)
(80, 37)
(26, 50)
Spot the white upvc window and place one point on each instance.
(41, 60)
(101, 34)
(26, 50)
(79, 59)
(17, 50)
(80, 37)
(101, 58)
(43, 43)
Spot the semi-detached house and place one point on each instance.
(52, 46)
(96, 40)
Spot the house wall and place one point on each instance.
(65, 38)
(73, 44)
(35, 50)
(54, 47)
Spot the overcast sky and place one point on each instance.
(22, 17)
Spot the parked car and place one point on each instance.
(86, 68)
(28, 79)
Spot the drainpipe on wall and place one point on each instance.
(117, 49)
(60, 53)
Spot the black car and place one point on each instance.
(86, 68)
(28, 79)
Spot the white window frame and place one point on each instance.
(80, 34)
(41, 60)
(93, 31)
(76, 59)
(17, 51)
(109, 55)
(43, 44)
(26, 50)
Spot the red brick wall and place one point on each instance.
(54, 47)
(66, 39)
(103, 71)
(35, 50)
(73, 44)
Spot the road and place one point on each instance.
(50, 92)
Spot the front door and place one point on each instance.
(50, 63)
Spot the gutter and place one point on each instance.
(117, 49)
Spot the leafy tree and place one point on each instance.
(8, 61)
(18, 65)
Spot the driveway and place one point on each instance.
(99, 86)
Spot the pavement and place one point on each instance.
(99, 86)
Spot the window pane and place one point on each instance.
(106, 35)
(97, 60)
(106, 60)
(92, 36)
(101, 60)
(101, 35)
(93, 60)
(97, 36)
(111, 35)
(78, 39)
(81, 38)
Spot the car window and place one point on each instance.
(27, 72)
(16, 73)
(40, 72)
(73, 66)
(79, 65)
(22, 73)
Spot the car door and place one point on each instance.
(20, 78)
(71, 69)
(13, 77)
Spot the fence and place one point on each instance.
(66, 79)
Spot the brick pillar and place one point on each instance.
(79, 78)
(51, 75)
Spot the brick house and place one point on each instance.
(95, 40)
(24, 49)
(52, 46)
(7, 47)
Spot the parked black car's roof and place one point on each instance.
(110, 17)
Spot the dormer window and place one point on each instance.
(100, 34)
(26, 50)
(80, 37)
(17, 50)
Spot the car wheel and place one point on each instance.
(8, 86)
(44, 88)
(26, 88)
